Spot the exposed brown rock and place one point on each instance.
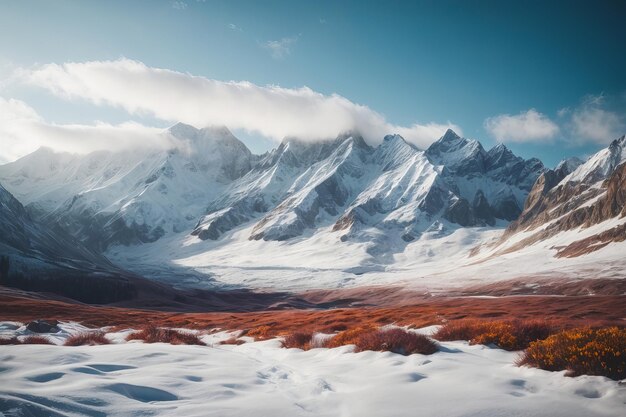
(615, 202)
(567, 206)
(593, 243)
(345, 222)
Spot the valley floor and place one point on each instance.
(372, 306)
(262, 379)
(438, 261)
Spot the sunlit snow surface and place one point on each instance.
(262, 379)
(437, 260)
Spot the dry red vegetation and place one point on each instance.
(9, 341)
(508, 335)
(574, 311)
(394, 340)
(261, 332)
(153, 334)
(460, 330)
(349, 336)
(36, 340)
(300, 340)
(581, 352)
(87, 339)
(30, 340)
(397, 341)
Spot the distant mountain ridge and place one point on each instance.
(105, 198)
(208, 213)
(214, 184)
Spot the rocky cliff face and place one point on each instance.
(563, 200)
(491, 184)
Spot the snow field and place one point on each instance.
(263, 379)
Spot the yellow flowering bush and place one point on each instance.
(581, 351)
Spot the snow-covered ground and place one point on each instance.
(262, 379)
(438, 260)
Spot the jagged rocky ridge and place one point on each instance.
(575, 195)
(352, 186)
(210, 183)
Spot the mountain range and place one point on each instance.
(383, 201)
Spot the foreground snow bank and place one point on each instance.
(262, 379)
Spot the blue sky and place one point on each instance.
(546, 78)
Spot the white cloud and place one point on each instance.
(280, 48)
(233, 26)
(23, 131)
(179, 5)
(563, 112)
(529, 126)
(271, 111)
(590, 122)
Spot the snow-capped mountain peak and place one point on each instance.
(449, 136)
(130, 197)
(499, 154)
(569, 165)
(459, 155)
(452, 148)
(600, 165)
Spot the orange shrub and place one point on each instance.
(581, 351)
(461, 330)
(348, 337)
(36, 340)
(260, 333)
(508, 335)
(87, 338)
(152, 334)
(300, 340)
(397, 341)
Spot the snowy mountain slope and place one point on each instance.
(208, 211)
(210, 183)
(600, 165)
(497, 176)
(406, 194)
(19, 233)
(36, 258)
(590, 199)
(130, 197)
(381, 205)
(322, 190)
(393, 186)
(264, 187)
